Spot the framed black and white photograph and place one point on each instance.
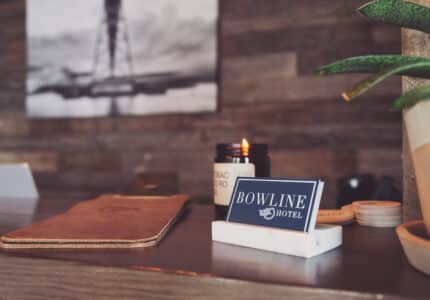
(94, 58)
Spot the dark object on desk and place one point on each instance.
(364, 187)
(153, 183)
(354, 188)
(386, 190)
(109, 221)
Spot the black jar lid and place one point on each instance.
(234, 149)
(258, 149)
(227, 150)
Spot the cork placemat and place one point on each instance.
(109, 221)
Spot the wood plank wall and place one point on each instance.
(268, 49)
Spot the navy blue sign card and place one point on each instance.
(276, 202)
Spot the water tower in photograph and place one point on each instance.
(112, 56)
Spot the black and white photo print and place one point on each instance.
(94, 58)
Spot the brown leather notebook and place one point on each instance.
(109, 221)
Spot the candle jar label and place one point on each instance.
(225, 175)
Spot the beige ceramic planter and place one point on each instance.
(414, 241)
(417, 120)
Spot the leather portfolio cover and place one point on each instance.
(109, 221)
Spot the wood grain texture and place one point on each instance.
(413, 43)
(24, 278)
(370, 261)
(268, 50)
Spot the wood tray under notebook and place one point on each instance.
(109, 221)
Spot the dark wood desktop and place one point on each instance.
(188, 265)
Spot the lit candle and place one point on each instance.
(244, 149)
(236, 160)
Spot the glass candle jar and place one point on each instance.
(232, 161)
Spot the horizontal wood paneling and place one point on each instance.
(268, 51)
(40, 161)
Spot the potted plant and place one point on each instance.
(413, 102)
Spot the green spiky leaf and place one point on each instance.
(373, 64)
(398, 12)
(376, 78)
(412, 97)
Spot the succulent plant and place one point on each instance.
(381, 67)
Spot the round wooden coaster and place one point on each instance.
(348, 207)
(378, 224)
(379, 218)
(378, 208)
(335, 216)
(375, 204)
(379, 213)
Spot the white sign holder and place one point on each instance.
(291, 242)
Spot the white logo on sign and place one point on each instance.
(267, 213)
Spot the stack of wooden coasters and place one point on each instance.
(378, 213)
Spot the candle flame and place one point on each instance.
(244, 146)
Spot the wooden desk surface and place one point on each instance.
(370, 263)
